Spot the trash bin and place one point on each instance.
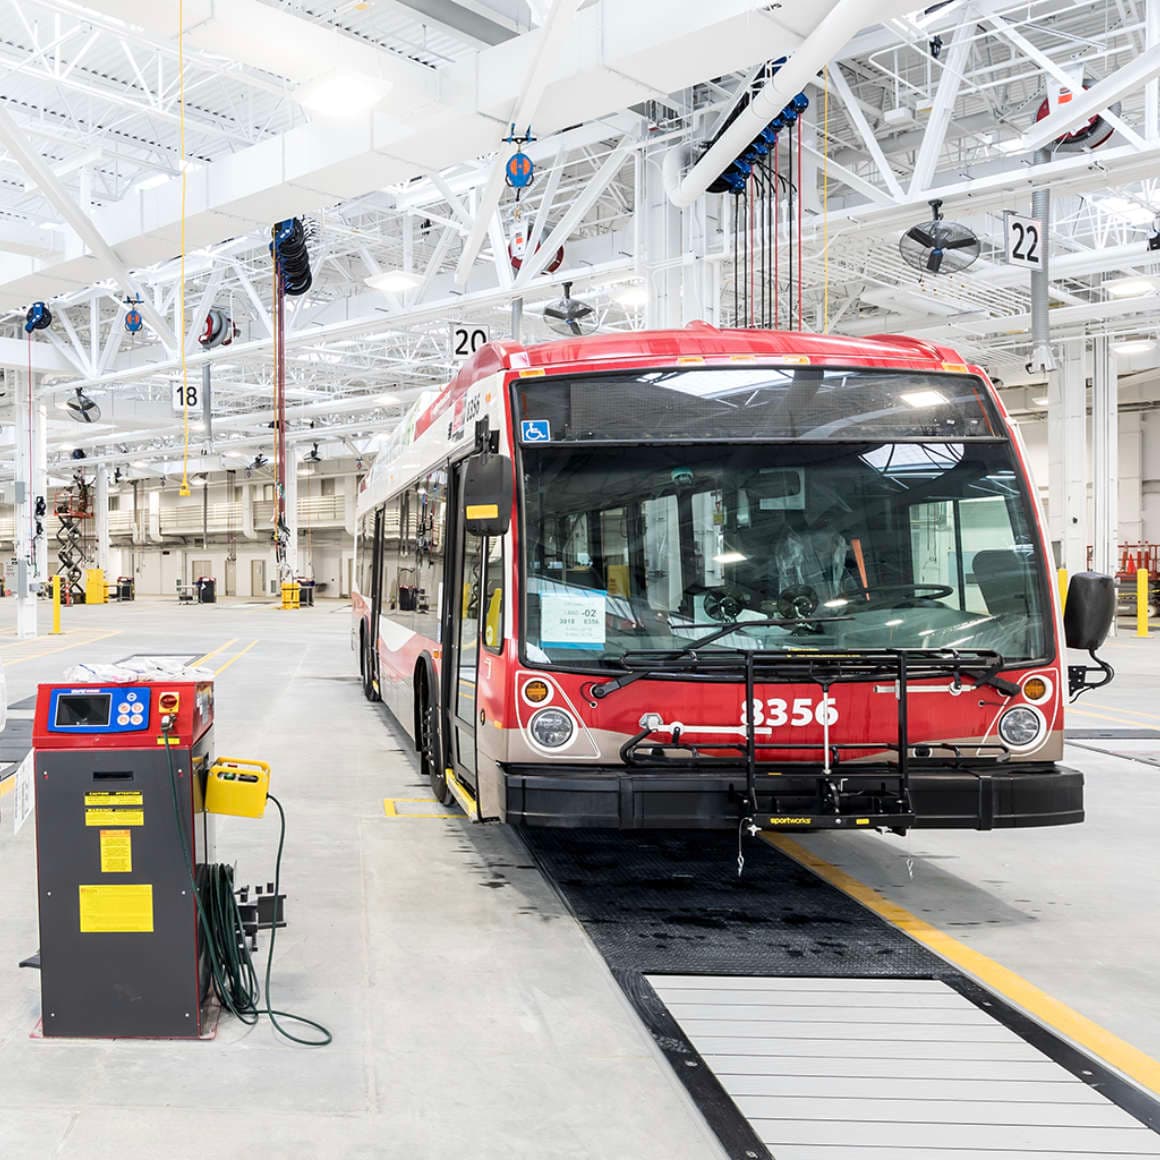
(125, 587)
(206, 590)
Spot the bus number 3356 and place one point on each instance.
(776, 711)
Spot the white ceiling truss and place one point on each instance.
(90, 175)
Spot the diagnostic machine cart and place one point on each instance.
(121, 827)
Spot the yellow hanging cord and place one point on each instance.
(181, 284)
(826, 203)
(274, 327)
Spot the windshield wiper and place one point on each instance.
(667, 657)
(987, 676)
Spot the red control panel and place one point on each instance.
(122, 716)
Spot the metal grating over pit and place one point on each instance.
(870, 1068)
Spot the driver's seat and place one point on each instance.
(1004, 577)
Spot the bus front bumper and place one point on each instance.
(994, 798)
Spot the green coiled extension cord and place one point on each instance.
(235, 978)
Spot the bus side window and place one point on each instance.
(493, 586)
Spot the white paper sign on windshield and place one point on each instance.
(572, 621)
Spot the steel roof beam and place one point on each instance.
(82, 225)
(1091, 102)
(541, 65)
(1008, 31)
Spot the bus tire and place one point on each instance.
(428, 741)
(366, 665)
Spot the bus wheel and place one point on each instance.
(430, 748)
(368, 673)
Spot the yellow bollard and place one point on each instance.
(1142, 601)
(1062, 579)
(56, 606)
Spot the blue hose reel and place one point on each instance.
(735, 176)
(39, 317)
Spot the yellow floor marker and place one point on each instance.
(1081, 1030)
(390, 808)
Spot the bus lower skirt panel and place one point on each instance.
(576, 796)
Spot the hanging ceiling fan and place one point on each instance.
(570, 316)
(312, 455)
(82, 408)
(939, 246)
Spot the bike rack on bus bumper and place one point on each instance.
(835, 806)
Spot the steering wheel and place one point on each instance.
(721, 604)
(797, 603)
(877, 597)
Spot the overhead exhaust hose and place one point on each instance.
(289, 247)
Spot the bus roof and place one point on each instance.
(698, 340)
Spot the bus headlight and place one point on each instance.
(1020, 726)
(552, 728)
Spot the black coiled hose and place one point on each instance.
(289, 248)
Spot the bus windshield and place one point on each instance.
(900, 543)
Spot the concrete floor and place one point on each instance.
(471, 1015)
(1075, 910)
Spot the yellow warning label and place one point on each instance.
(116, 851)
(116, 909)
(114, 817)
(120, 797)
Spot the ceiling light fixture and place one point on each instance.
(346, 94)
(923, 398)
(633, 297)
(1134, 346)
(1129, 287)
(393, 281)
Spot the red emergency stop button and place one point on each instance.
(168, 702)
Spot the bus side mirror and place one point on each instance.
(1088, 613)
(488, 487)
(1087, 620)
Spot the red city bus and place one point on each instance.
(698, 578)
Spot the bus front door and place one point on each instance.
(461, 648)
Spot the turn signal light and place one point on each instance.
(1035, 689)
(536, 691)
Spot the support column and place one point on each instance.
(702, 278)
(1152, 88)
(1105, 457)
(661, 247)
(24, 505)
(1067, 455)
(42, 569)
(291, 513)
(1131, 469)
(101, 518)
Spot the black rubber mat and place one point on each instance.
(15, 741)
(672, 903)
(658, 902)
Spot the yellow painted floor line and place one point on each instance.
(212, 653)
(1120, 709)
(236, 657)
(7, 785)
(1116, 719)
(8, 664)
(390, 804)
(1050, 1011)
